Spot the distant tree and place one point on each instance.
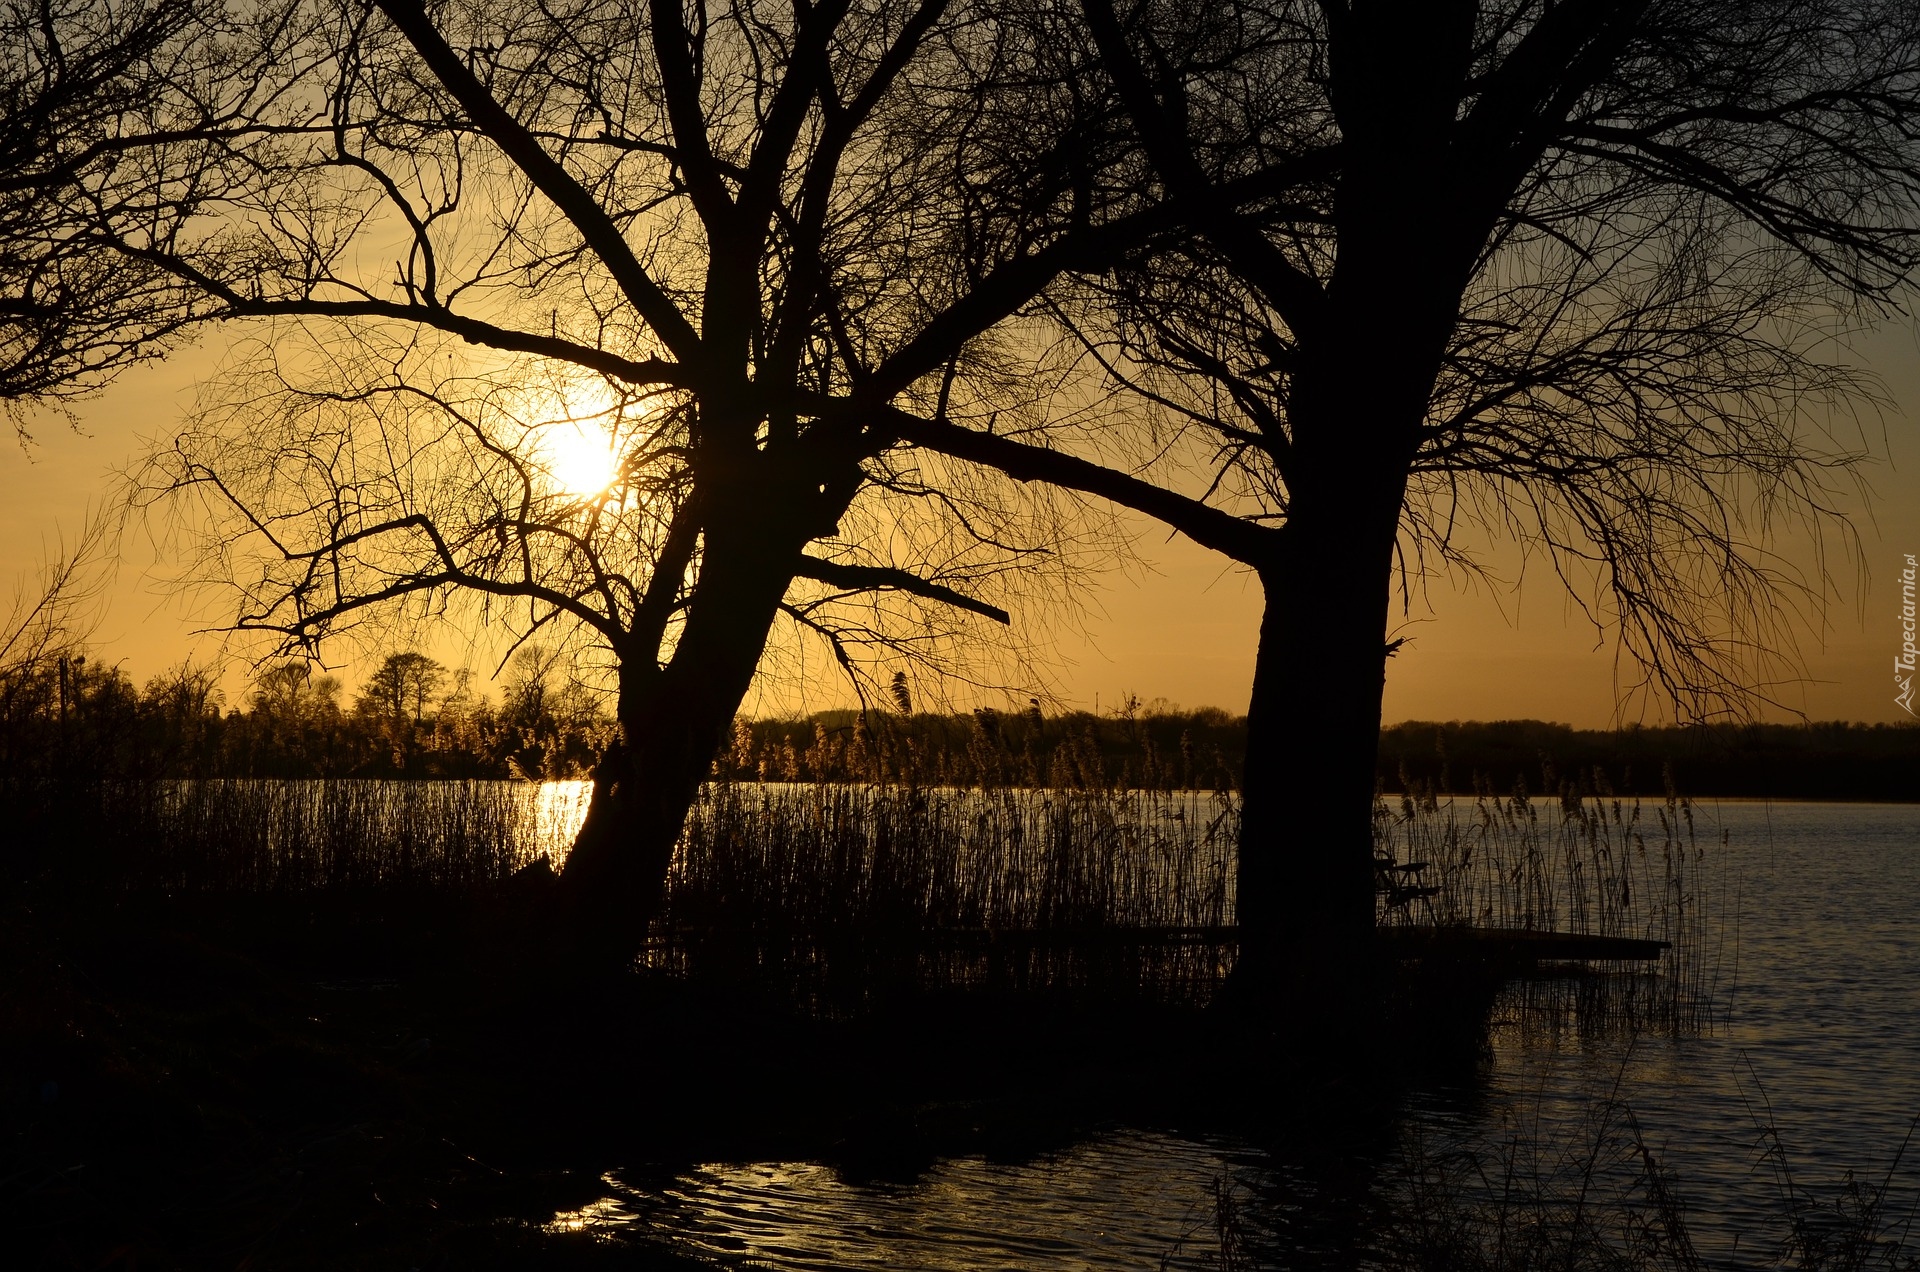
(553, 726)
(393, 706)
(288, 692)
(181, 707)
(294, 721)
(529, 687)
(401, 687)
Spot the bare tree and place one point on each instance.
(52, 614)
(713, 250)
(400, 689)
(1573, 271)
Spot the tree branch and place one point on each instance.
(568, 195)
(863, 577)
(1013, 284)
(1208, 526)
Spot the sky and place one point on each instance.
(1178, 624)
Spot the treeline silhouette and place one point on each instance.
(1159, 747)
(1780, 761)
(1136, 747)
(69, 716)
(415, 718)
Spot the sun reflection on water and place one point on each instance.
(556, 810)
(1125, 1199)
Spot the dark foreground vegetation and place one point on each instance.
(247, 1047)
(307, 1025)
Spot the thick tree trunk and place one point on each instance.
(1305, 893)
(1306, 880)
(1363, 375)
(673, 720)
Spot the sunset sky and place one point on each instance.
(1178, 625)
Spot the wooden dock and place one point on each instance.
(1502, 946)
(1520, 946)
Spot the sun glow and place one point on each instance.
(580, 446)
(581, 456)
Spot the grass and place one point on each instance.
(1526, 1192)
(1606, 1199)
(840, 890)
(245, 836)
(840, 895)
(1583, 860)
(851, 892)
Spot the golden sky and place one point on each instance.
(1178, 626)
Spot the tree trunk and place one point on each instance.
(1306, 879)
(673, 720)
(1363, 375)
(1305, 887)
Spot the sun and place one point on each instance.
(580, 456)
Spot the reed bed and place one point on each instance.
(266, 837)
(847, 891)
(1580, 861)
(838, 892)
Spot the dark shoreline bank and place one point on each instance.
(1203, 749)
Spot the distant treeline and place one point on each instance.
(415, 718)
(67, 716)
(1171, 748)
(1166, 750)
(1780, 761)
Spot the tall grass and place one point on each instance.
(1581, 861)
(1601, 1197)
(1538, 1186)
(840, 891)
(848, 890)
(265, 837)
(1132, 891)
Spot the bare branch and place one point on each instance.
(865, 577)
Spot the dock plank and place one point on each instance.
(1496, 945)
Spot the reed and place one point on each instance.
(1582, 860)
(847, 891)
(1600, 1196)
(1545, 1186)
(837, 892)
(241, 837)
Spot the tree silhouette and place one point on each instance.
(395, 702)
(724, 246)
(1572, 271)
(401, 687)
(89, 94)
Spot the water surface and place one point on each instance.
(1818, 1040)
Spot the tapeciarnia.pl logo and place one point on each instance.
(1903, 664)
